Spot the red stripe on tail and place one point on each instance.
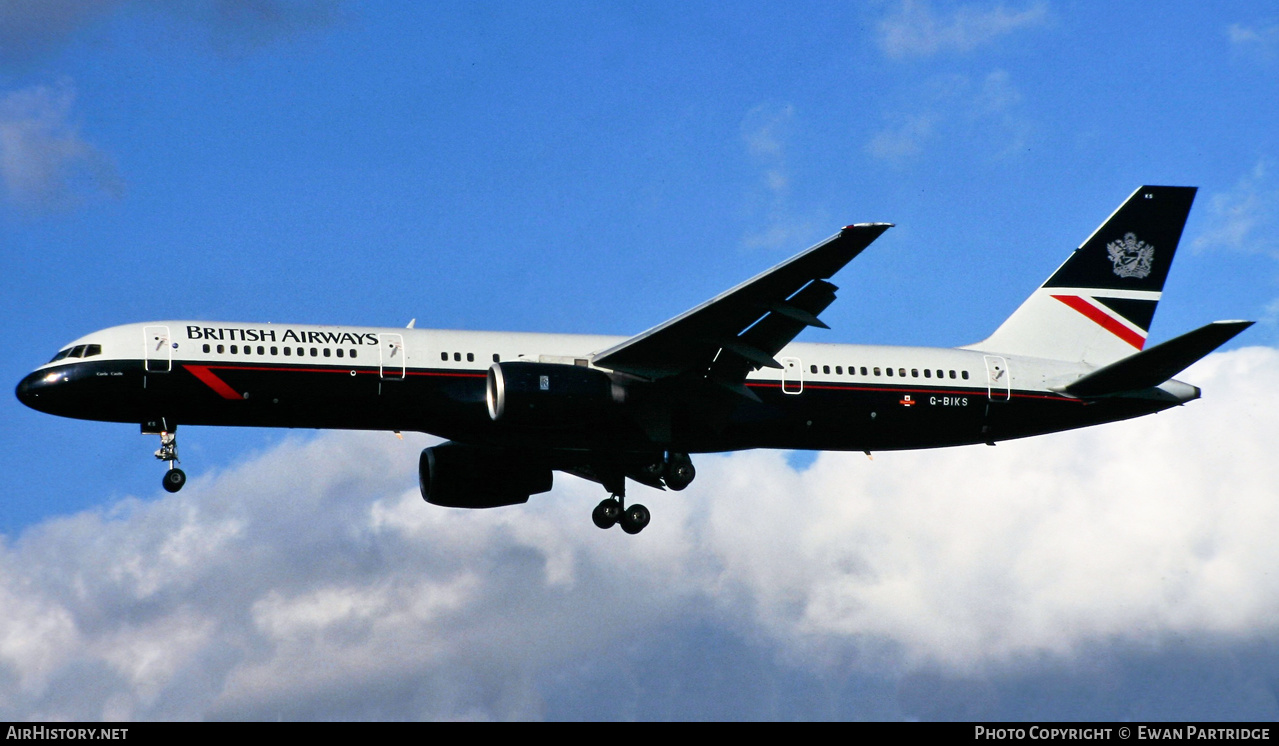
(1106, 322)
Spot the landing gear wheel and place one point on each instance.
(174, 479)
(607, 513)
(679, 471)
(634, 519)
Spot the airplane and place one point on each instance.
(726, 375)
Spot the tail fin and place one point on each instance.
(1097, 307)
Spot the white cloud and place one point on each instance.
(984, 116)
(915, 30)
(313, 582)
(975, 557)
(902, 140)
(764, 132)
(44, 162)
(1259, 43)
(30, 30)
(241, 26)
(1244, 218)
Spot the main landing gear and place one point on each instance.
(174, 478)
(675, 471)
(678, 471)
(613, 510)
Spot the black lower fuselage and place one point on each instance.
(827, 414)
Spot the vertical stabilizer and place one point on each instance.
(1097, 307)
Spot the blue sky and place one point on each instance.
(598, 168)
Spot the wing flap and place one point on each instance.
(795, 313)
(775, 330)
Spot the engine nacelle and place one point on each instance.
(550, 395)
(456, 475)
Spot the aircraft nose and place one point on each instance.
(34, 390)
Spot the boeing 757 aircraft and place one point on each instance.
(514, 407)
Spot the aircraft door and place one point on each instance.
(792, 375)
(998, 380)
(157, 349)
(391, 356)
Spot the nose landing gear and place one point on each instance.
(174, 478)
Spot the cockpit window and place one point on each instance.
(77, 351)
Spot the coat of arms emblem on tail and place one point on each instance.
(1132, 258)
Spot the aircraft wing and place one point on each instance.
(742, 329)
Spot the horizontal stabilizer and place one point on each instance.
(1153, 366)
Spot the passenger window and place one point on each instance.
(890, 371)
(914, 373)
(315, 352)
(964, 373)
(941, 374)
(877, 371)
(901, 372)
(470, 357)
(457, 357)
(812, 369)
(206, 348)
(444, 356)
(221, 349)
(234, 349)
(261, 350)
(327, 352)
(497, 358)
(826, 369)
(952, 374)
(275, 350)
(839, 370)
(928, 373)
(352, 353)
(288, 351)
(864, 371)
(248, 350)
(340, 352)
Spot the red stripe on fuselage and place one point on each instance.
(1103, 319)
(391, 374)
(210, 379)
(895, 390)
